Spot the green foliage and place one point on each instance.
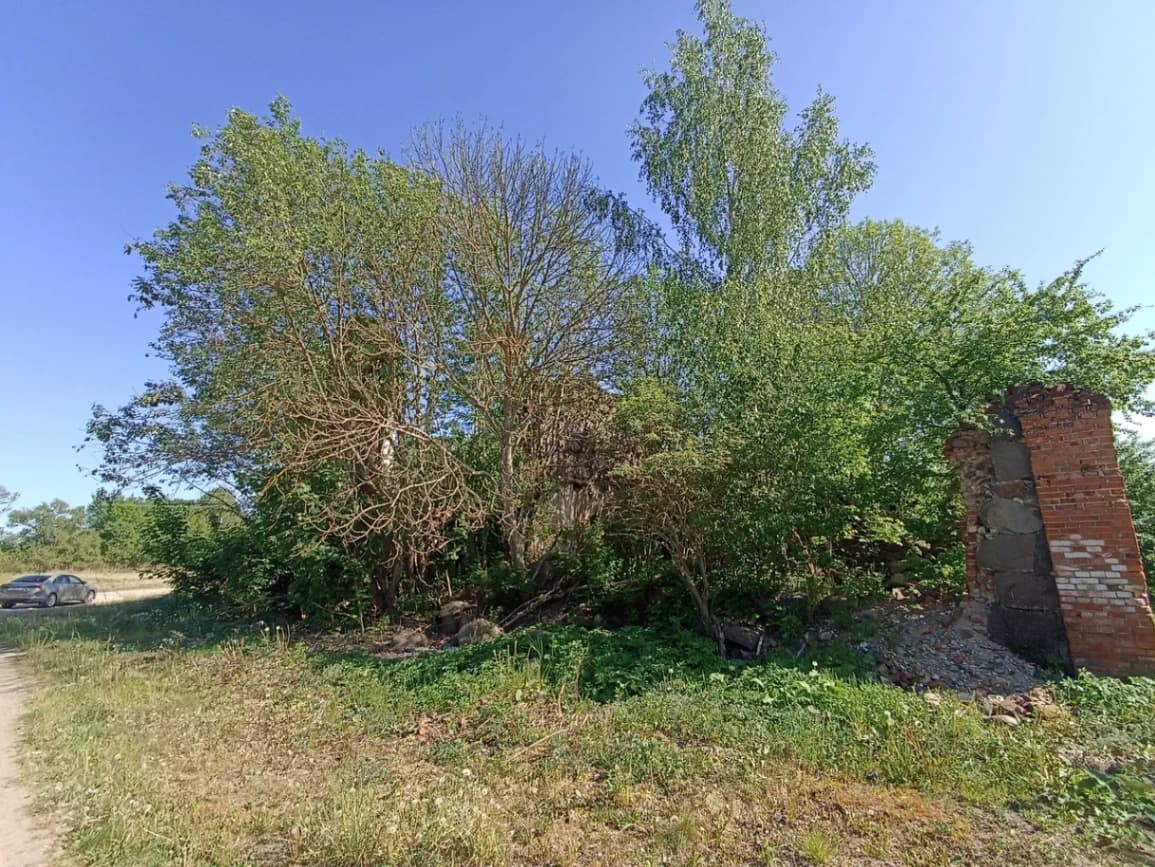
(52, 535)
(417, 371)
(120, 522)
(817, 367)
(546, 707)
(1137, 464)
(943, 572)
(748, 195)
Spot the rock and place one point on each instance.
(746, 637)
(1005, 719)
(1011, 459)
(270, 852)
(477, 630)
(408, 641)
(1048, 712)
(999, 513)
(898, 579)
(452, 616)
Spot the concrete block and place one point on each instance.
(1007, 552)
(1011, 516)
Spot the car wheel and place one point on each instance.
(89, 597)
(50, 602)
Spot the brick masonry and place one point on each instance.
(1053, 564)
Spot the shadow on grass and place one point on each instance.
(605, 665)
(143, 624)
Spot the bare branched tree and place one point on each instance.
(540, 264)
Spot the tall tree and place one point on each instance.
(748, 195)
(818, 366)
(540, 266)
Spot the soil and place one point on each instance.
(24, 842)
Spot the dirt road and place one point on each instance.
(24, 841)
(103, 597)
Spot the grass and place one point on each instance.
(165, 735)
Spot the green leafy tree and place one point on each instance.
(120, 522)
(51, 535)
(819, 366)
(50, 523)
(1137, 463)
(747, 194)
(301, 286)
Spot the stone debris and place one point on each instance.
(924, 646)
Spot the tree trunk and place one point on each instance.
(387, 577)
(510, 520)
(700, 593)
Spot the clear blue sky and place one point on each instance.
(1027, 127)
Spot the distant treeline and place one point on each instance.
(112, 532)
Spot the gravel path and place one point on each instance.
(22, 842)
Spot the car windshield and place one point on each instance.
(31, 579)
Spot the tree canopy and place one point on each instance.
(411, 371)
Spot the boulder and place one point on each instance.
(408, 641)
(452, 616)
(1026, 590)
(1010, 516)
(746, 637)
(477, 630)
(270, 852)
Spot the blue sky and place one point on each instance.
(1027, 128)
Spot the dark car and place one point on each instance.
(47, 591)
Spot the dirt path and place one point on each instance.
(22, 843)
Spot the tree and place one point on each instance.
(7, 499)
(818, 366)
(51, 535)
(742, 348)
(539, 273)
(748, 196)
(1137, 464)
(121, 523)
(50, 523)
(301, 285)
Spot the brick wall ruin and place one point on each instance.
(1053, 567)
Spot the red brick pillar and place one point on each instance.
(1087, 519)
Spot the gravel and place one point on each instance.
(920, 645)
